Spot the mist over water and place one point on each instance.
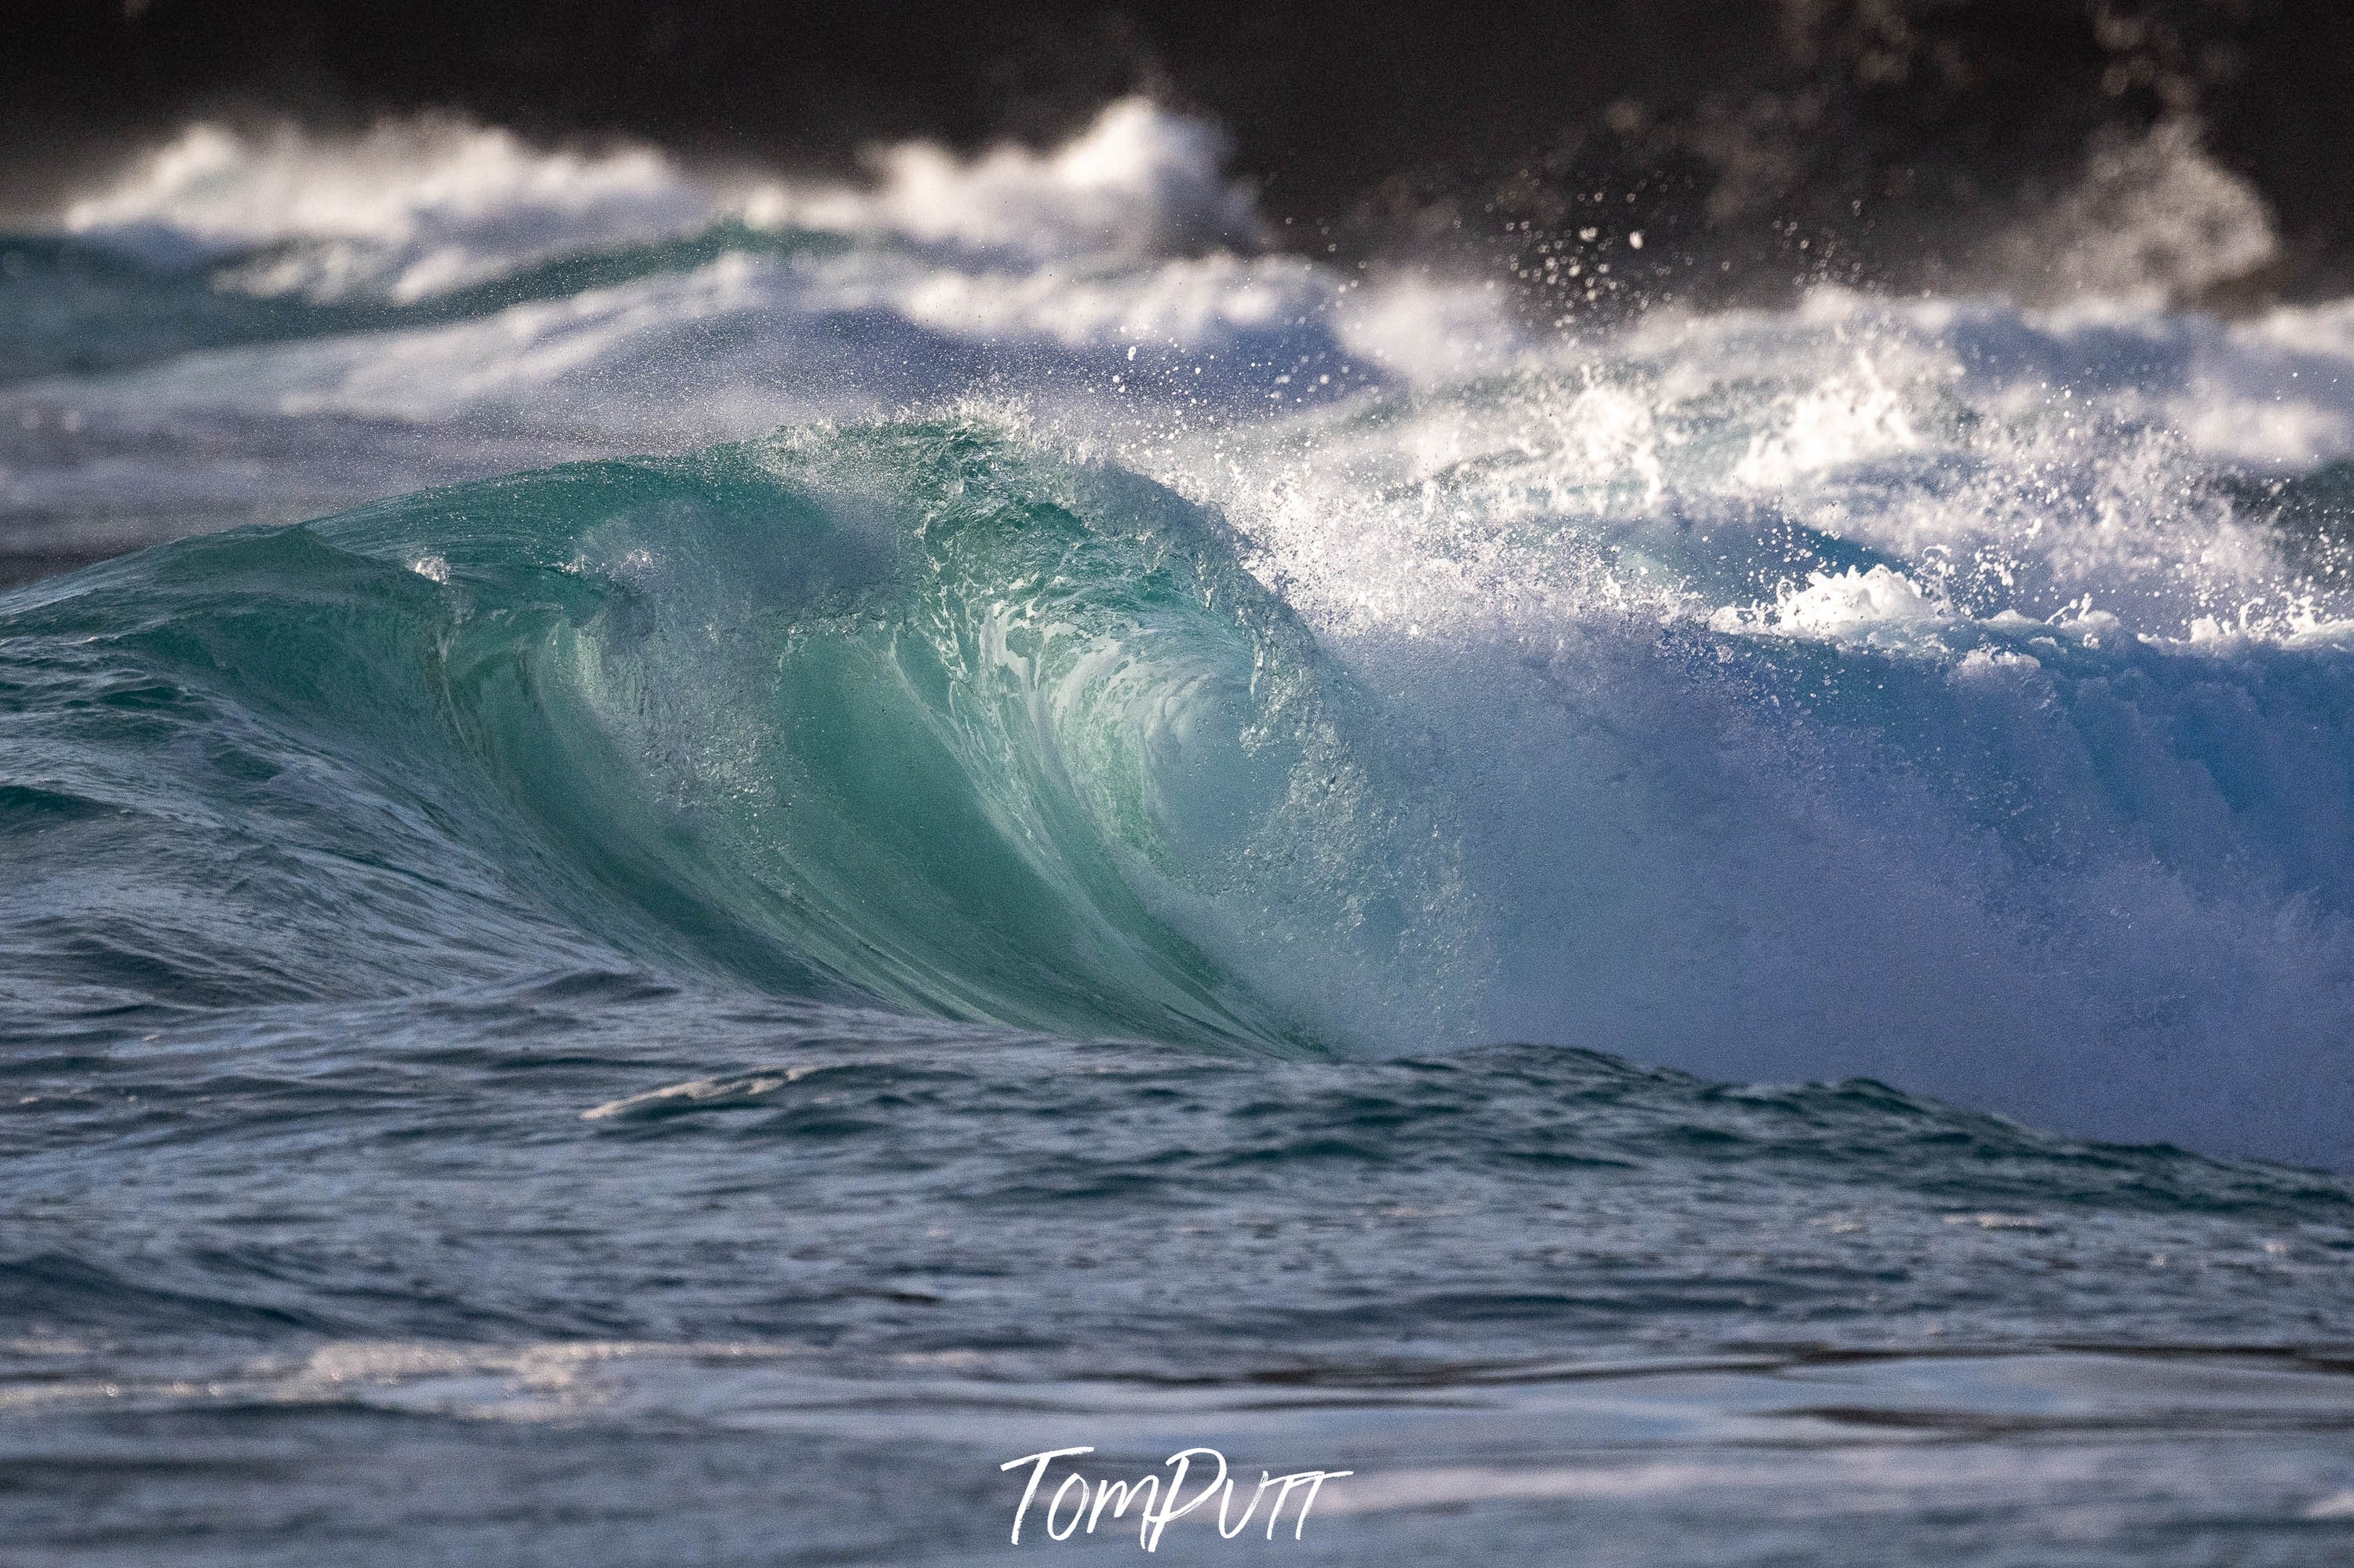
(1011, 685)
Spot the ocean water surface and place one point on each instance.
(684, 858)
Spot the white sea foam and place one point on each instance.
(412, 209)
(1139, 182)
(1762, 638)
(407, 210)
(1879, 609)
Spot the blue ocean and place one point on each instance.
(688, 857)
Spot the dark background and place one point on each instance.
(1893, 125)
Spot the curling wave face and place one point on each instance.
(898, 713)
(1223, 650)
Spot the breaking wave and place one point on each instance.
(1136, 630)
